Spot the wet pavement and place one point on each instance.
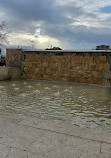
(27, 137)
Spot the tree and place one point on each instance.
(3, 34)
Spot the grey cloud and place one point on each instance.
(23, 13)
(80, 34)
(31, 9)
(56, 21)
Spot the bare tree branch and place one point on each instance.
(3, 34)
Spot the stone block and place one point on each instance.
(48, 71)
(37, 70)
(92, 66)
(96, 74)
(65, 74)
(64, 79)
(101, 59)
(88, 59)
(45, 77)
(45, 64)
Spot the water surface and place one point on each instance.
(79, 104)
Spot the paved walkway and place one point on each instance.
(26, 137)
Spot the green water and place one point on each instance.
(79, 104)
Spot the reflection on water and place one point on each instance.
(79, 104)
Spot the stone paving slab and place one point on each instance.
(6, 152)
(87, 133)
(27, 137)
(61, 145)
(16, 135)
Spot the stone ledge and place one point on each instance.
(7, 73)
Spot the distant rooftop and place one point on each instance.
(103, 47)
(42, 50)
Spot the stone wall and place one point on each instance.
(7, 73)
(66, 68)
(14, 57)
(69, 66)
(4, 73)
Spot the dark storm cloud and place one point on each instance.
(23, 13)
(27, 9)
(33, 10)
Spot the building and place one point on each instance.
(103, 47)
(54, 48)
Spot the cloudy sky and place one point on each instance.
(69, 24)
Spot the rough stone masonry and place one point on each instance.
(92, 66)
